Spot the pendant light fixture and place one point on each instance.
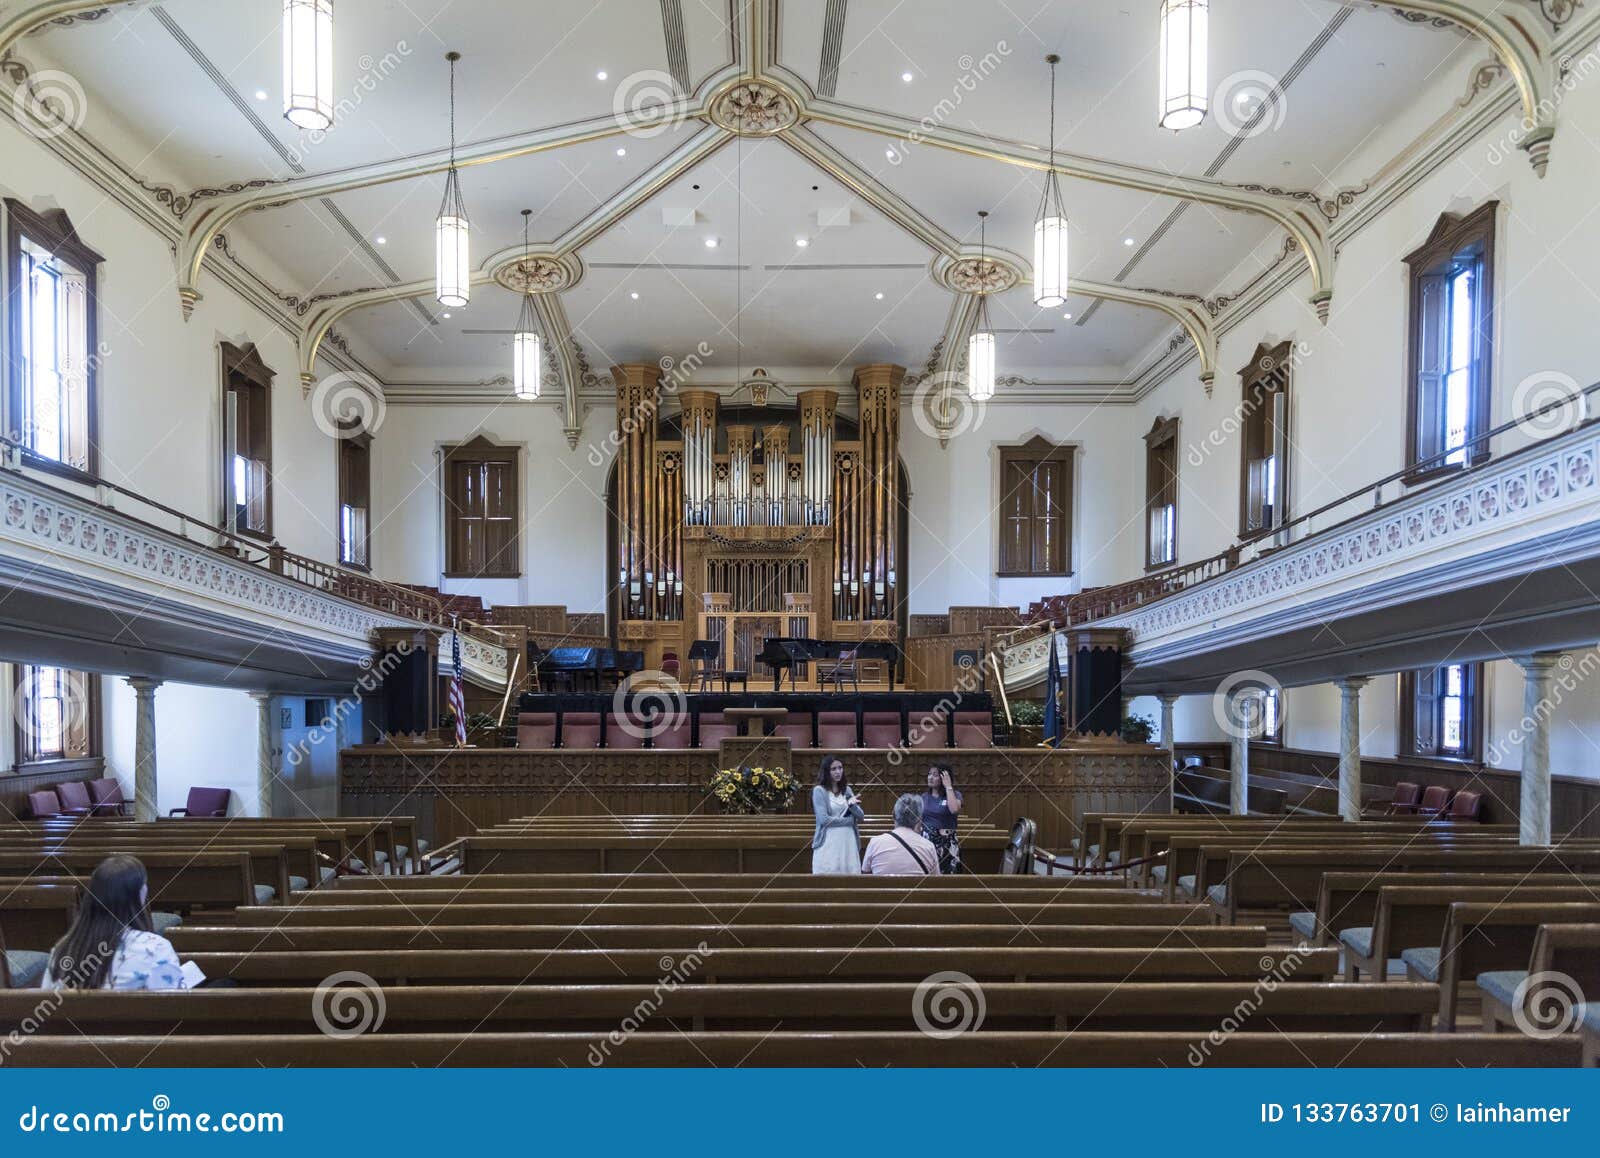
(1050, 226)
(451, 230)
(980, 346)
(308, 63)
(525, 352)
(1184, 34)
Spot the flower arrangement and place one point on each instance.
(753, 790)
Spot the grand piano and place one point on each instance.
(580, 665)
(785, 653)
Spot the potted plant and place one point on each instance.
(1138, 729)
(1027, 724)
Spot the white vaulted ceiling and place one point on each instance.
(171, 92)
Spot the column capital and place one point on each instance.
(1540, 662)
(1166, 698)
(142, 684)
(263, 698)
(1348, 684)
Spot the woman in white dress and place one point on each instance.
(836, 845)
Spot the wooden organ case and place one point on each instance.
(738, 531)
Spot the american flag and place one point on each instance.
(458, 699)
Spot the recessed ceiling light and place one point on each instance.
(446, 314)
(622, 152)
(381, 240)
(906, 76)
(711, 243)
(1067, 316)
(634, 295)
(802, 242)
(1127, 241)
(601, 75)
(878, 296)
(261, 94)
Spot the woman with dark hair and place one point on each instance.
(110, 945)
(940, 805)
(836, 845)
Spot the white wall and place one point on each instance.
(205, 737)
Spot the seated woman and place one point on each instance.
(110, 945)
(836, 844)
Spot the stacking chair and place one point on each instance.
(845, 667)
(44, 804)
(74, 797)
(1406, 796)
(108, 798)
(208, 802)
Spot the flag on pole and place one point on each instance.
(1052, 697)
(458, 699)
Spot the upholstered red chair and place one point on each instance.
(669, 664)
(714, 729)
(625, 730)
(43, 804)
(674, 734)
(1405, 798)
(74, 797)
(974, 730)
(797, 726)
(1466, 807)
(928, 729)
(208, 802)
(836, 730)
(536, 730)
(881, 730)
(107, 797)
(1435, 799)
(580, 730)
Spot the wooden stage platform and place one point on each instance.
(454, 792)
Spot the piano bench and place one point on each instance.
(729, 678)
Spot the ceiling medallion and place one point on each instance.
(535, 275)
(755, 109)
(979, 275)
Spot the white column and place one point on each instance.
(1350, 746)
(266, 766)
(144, 746)
(1246, 716)
(1169, 739)
(1537, 706)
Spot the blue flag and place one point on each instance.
(1053, 731)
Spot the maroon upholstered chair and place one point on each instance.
(44, 804)
(1466, 806)
(625, 730)
(836, 730)
(674, 735)
(205, 802)
(797, 727)
(74, 797)
(580, 730)
(880, 730)
(536, 730)
(714, 728)
(974, 730)
(669, 664)
(1435, 799)
(928, 729)
(1406, 796)
(108, 798)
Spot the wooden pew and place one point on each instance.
(826, 886)
(759, 1048)
(36, 916)
(1487, 939)
(697, 1008)
(178, 880)
(319, 938)
(269, 863)
(888, 893)
(903, 911)
(1345, 899)
(808, 965)
(1412, 919)
(1277, 878)
(1565, 966)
